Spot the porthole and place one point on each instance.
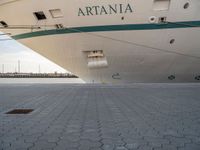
(197, 78)
(186, 5)
(3, 24)
(122, 18)
(162, 20)
(116, 76)
(152, 19)
(172, 41)
(171, 77)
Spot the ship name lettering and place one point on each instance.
(105, 10)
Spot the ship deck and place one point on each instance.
(100, 117)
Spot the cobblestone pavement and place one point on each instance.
(101, 117)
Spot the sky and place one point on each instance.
(12, 52)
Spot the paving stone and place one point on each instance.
(64, 148)
(68, 144)
(195, 140)
(50, 138)
(43, 145)
(5, 146)
(110, 135)
(106, 117)
(115, 141)
(145, 148)
(73, 138)
(95, 148)
(156, 142)
(178, 141)
(90, 144)
(166, 147)
(135, 143)
(190, 147)
(172, 133)
(108, 146)
(21, 145)
(120, 148)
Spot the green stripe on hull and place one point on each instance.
(107, 28)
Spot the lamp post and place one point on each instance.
(2, 68)
(18, 66)
(39, 70)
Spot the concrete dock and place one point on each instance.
(100, 117)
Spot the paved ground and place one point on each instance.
(101, 117)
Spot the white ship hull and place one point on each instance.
(113, 48)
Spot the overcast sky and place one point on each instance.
(12, 51)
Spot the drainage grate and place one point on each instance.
(20, 111)
(197, 78)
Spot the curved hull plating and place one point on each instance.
(110, 46)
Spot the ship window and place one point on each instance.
(197, 78)
(161, 5)
(186, 5)
(172, 77)
(162, 20)
(56, 13)
(172, 41)
(40, 15)
(3, 24)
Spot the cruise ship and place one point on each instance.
(111, 41)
